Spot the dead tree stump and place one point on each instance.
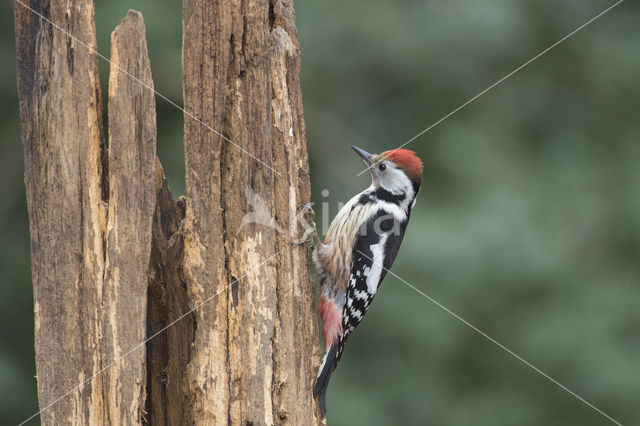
(211, 280)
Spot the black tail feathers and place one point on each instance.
(322, 382)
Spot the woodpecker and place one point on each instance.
(360, 246)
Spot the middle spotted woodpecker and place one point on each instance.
(360, 246)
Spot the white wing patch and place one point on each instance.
(373, 278)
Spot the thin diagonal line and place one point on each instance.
(100, 55)
(498, 82)
(141, 344)
(494, 341)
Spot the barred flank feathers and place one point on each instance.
(322, 382)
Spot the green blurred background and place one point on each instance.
(527, 225)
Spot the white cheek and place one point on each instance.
(396, 182)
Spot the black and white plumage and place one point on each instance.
(360, 246)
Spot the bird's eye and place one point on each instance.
(382, 167)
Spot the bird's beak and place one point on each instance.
(364, 154)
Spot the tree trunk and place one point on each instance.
(147, 309)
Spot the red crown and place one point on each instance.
(407, 161)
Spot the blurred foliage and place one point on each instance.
(527, 224)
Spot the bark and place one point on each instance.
(211, 280)
(255, 347)
(132, 200)
(90, 212)
(60, 110)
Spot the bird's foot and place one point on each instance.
(310, 233)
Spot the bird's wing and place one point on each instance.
(374, 251)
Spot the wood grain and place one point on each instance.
(210, 280)
(256, 346)
(64, 151)
(90, 212)
(132, 201)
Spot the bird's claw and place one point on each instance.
(310, 233)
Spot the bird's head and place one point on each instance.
(396, 171)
